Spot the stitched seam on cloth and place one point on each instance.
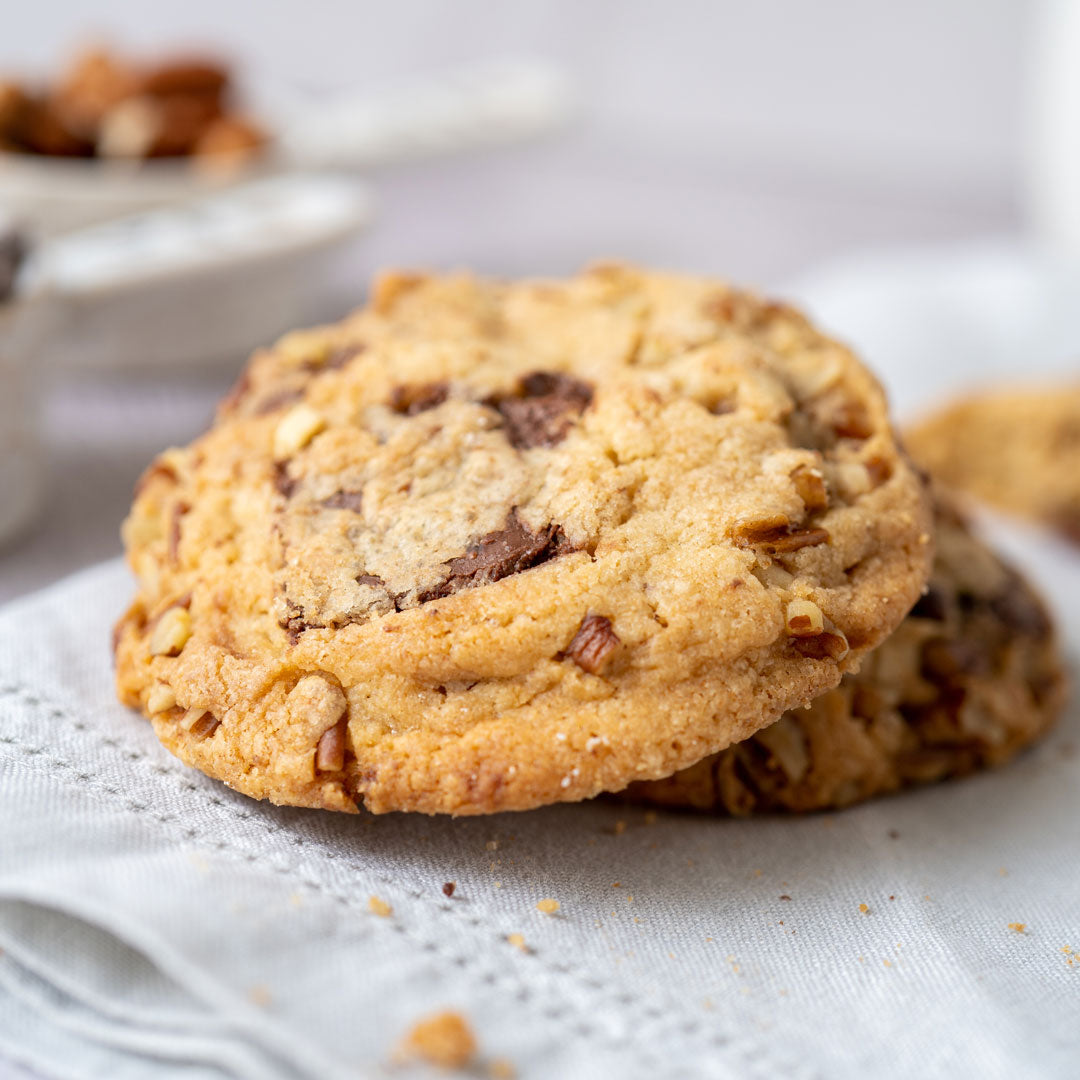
(754, 1057)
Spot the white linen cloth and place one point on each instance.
(152, 922)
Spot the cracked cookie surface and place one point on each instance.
(485, 546)
(971, 677)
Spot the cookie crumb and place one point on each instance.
(260, 995)
(444, 1039)
(492, 845)
(501, 1069)
(650, 817)
(449, 887)
(784, 896)
(378, 906)
(620, 828)
(518, 941)
(1019, 927)
(894, 834)
(864, 909)
(548, 906)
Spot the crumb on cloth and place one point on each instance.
(444, 1039)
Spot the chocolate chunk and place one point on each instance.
(543, 409)
(411, 400)
(294, 623)
(1018, 608)
(344, 500)
(933, 604)
(499, 554)
(593, 644)
(278, 400)
(449, 887)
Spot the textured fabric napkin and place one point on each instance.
(151, 918)
(152, 922)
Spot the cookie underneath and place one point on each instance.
(970, 678)
(485, 546)
(1017, 449)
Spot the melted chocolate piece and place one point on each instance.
(499, 554)
(543, 409)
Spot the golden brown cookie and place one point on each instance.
(972, 676)
(1019, 449)
(486, 546)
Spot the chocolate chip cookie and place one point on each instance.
(485, 546)
(972, 676)
(1017, 449)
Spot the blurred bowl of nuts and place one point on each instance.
(110, 136)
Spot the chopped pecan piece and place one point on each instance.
(824, 646)
(411, 400)
(178, 511)
(199, 723)
(330, 751)
(804, 618)
(593, 644)
(278, 399)
(810, 487)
